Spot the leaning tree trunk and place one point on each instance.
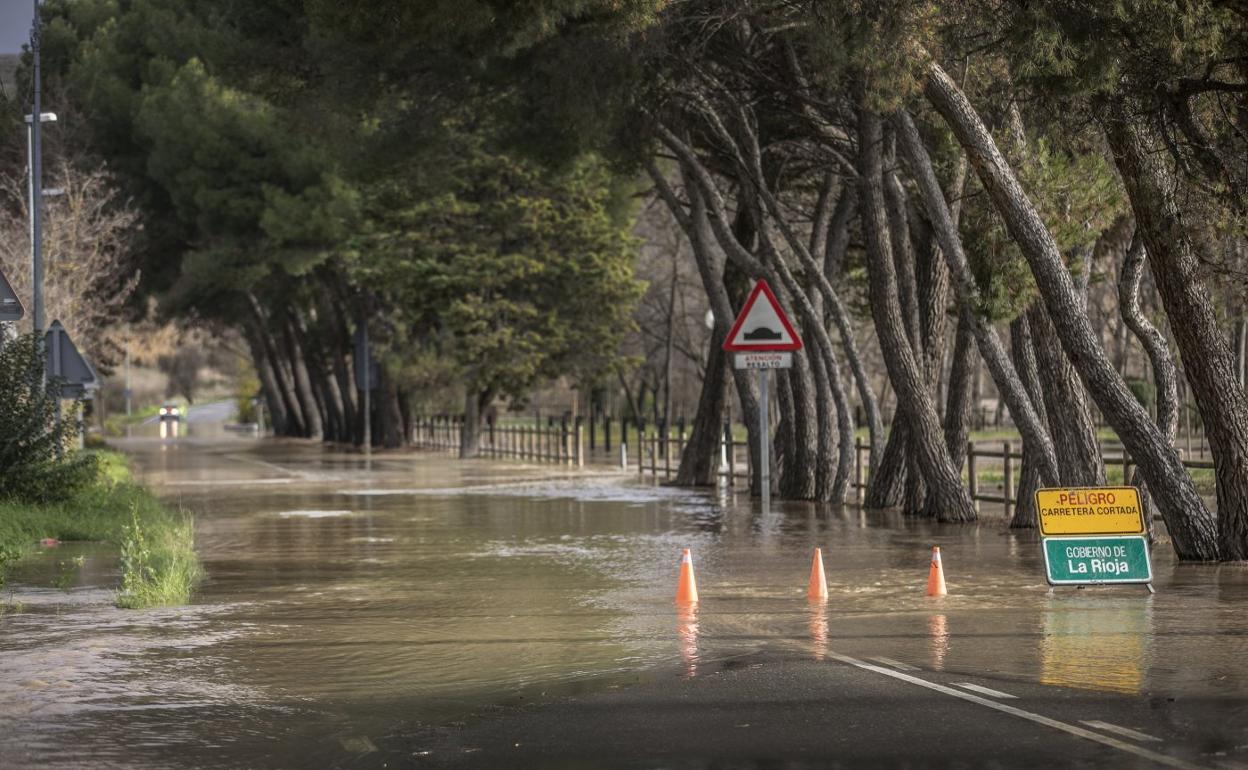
(1192, 528)
(1023, 354)
(903, 369)
(699, 461)
(1165, 374)
(904, 259)
(474, 416)
(932, 282)
(268, 382)
(1175, 251)
(715, 280)
(887, 488)
(989, 343)
(295, 422)
(1071, 425)
(312, 411)
(958, 401)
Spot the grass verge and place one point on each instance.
(158, 561)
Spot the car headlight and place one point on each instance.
(163, 411)
(174, 411)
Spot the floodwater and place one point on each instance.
(348, 605)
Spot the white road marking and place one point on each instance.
(1075, 730)
(986, 690)
(894, 663)
(1125, 732)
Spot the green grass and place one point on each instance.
(159, 566)
(116, 424)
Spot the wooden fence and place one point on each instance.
(653, 454)
(559, 443)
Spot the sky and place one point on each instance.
(15, 16)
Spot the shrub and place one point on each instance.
(34, 464)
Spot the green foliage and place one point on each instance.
(517, 274)
(157, 545)
(35, 466)
(246, 389)
(1078, 196)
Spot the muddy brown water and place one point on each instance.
(346, 603)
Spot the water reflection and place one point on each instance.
(434, 589)
(1095, 641)
(938, 640)
(687, 634)
(817, 611)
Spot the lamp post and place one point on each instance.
(35, 158)
(34, 169)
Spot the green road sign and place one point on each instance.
(1077, 560)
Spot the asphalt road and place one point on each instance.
(212, 412)
(768, 711)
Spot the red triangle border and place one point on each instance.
(761, 287)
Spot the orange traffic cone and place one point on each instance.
(687, 590)
(936, 575)
(818, 587)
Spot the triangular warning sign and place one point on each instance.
(10, 306)
(762, 325)
(64, 362)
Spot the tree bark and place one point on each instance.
(303, 383)
(1009, 386)
(1165, 373)
(950, 495)
(474, 416)
(887, 488)
(1023, 354)
(958, 401)
(1192, 527)
(268, 382)
(715, 277)
(1079, 460)
(1175, 250)
(295, 423)
(699, 461)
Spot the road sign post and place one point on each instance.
(762, 338)
(1093, 536)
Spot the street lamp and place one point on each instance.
(34, 168)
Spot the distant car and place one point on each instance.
(170, 413)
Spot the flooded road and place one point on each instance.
(348, 606)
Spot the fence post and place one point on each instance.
(972, 475)
(606, 434)
(1009, 478)
(641, 453)
(623, 456)
(858, 484)
(654, 455)
(580, 443)
(732, 454)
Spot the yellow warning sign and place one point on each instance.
(1090, 511)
